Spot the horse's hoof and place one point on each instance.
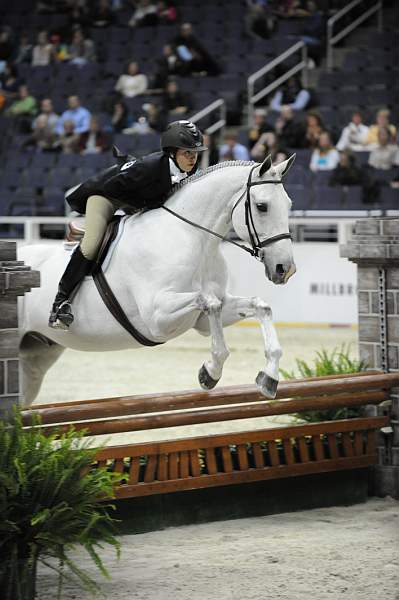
(266, 384)
(206, 381)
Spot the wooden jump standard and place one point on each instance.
(235, 457)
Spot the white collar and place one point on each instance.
(175, 174)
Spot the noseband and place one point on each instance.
(256, 243)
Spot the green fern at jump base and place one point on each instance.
(51, 500)
(335, 362)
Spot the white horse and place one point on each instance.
(170, 276)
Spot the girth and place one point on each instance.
(106, 292)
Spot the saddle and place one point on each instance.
(76, 231)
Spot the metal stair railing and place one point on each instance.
(332, 39)
(301, 66)
(220, 105)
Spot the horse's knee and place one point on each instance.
(262, 308)
(209, 304)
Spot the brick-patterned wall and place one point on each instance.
(16, 279)
(374, 247)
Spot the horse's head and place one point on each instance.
(267, 218)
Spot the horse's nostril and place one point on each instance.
(280, 269)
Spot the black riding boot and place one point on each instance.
(78, 267)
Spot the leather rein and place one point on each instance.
(256, 243)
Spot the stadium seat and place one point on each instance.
(299, 195)
(389, 198)
(328, 198)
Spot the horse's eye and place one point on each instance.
(262, 207)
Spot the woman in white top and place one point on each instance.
(354, 135)
(43, 51)
(325, 157)
(132, 83)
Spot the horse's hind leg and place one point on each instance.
(37, 354)
(211, 370)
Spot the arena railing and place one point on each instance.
(300, 220)
(332, 39)
(217, 105)
(302, 65)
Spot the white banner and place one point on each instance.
(323, 290)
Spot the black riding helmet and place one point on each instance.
(183, 135)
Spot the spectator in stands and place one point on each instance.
(382, 120)
(60, 48)
(290, 133)
(120, 119)
(43, 51)
(24, 108)
(93, 141)
(25, 49)
(260, 20)
(192, 52)
(231, 149)
(325, 157)
(313, 129)
(169, 64)
(6, 47)
(101, 14)
(151, 120)
(292, 8)
(81, 50)
(313, 33)
(155, 118)
(43, 137)
(132, 82)
(354, 135)
(167, 14)
(48, 7)
(47, 110)
(9, 84)
(268, 143)
(386, 154)
(69, 138)
(291, 94)
(145, 14)
(346, 172)
(78, 13)
(259, 126)
(175, 102)
(76, 113)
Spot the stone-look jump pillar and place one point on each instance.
(15, 280)
(374, 247)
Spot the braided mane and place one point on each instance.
(200, 174)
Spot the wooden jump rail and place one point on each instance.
(235, 457)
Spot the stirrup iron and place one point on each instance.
(62, 317)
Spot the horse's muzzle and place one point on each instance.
(282, 273)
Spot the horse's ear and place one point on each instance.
(265, 166)
(283, 168)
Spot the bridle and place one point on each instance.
(256, 243)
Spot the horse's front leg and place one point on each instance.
(211, 371)
(235, 309)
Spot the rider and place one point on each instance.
(136, 183)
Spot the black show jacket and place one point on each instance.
(139, 183)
